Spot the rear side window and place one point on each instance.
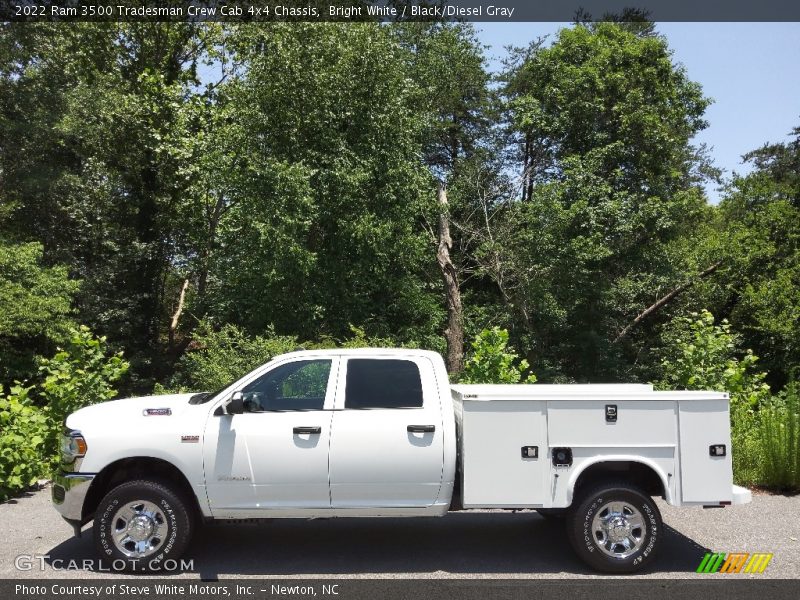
(382, 384)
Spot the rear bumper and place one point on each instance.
(741, 495)
(68, 493)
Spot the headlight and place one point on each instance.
(73, 446)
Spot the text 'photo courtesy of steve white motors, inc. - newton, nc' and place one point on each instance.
(167, 589)
(341, 11)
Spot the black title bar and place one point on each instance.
(398, 10)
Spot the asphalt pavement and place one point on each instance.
(462, 545)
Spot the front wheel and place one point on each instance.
(142, 526)
(615, 528)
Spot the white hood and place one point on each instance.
(122, 412)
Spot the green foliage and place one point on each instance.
(359, 339)
(35, 310)
(761, 216)
(322, 208)
(493, 360)
(601, 122)
(23, 435)
(779, 432)
(700, 355)
(220, 357)
(79, 375)
(94, 123)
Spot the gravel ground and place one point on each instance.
(466, 545)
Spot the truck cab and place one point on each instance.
(331, 433)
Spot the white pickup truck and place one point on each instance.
(382, 432)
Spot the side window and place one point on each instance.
(374, 383)
(298, 385)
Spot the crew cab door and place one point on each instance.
(275, 455)
(387, 446)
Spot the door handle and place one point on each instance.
(421, 428)
(307, 430)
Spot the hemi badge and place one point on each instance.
(190, 439)
(157, 412)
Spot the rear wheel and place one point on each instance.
(142, 526)
(615, 528)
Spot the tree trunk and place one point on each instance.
(454, 334)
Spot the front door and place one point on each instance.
(275, 455)
(387, 446)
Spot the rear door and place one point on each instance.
(387, 434)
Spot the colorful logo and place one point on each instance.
(734, 562)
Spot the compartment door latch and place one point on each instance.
(530, 452)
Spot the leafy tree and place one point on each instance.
(761, 228)
(602, 120)
(323, 226)
(35, 311)
(93, 161)
(781, 162)
(446, 62)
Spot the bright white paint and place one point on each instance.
(376, 461)
(365, 462)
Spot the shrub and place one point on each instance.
(23, 433)
(780, 439)
(78, 375)
(492, 360)
(700, 356)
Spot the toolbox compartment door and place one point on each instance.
(505, 460)
(705, 478)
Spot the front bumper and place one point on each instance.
(68, 493)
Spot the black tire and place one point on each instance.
(172, 516)
(589, 545)
(553, 514)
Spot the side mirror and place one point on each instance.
(236, 404)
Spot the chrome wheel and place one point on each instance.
(618, 529)
(139, 528)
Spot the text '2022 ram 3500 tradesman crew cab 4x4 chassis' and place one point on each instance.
(380, 432)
